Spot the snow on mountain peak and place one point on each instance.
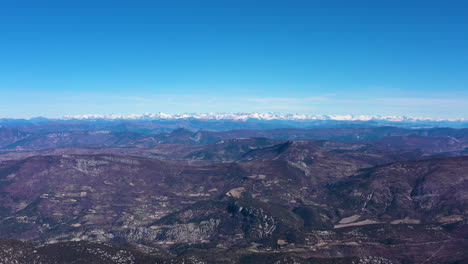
(254, 116)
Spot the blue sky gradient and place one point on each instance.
(316, 57)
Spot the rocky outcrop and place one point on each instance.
(171, 234)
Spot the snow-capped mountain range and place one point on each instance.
(256, 116)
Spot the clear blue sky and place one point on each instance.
(317, 57)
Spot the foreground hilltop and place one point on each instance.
(270, 204)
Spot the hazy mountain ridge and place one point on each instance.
(41, 139)
(256, 116)
(159, 122)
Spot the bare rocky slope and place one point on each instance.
(198, 197)
(260, 206)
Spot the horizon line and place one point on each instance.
(244, 116)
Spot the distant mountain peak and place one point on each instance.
(256, 116)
